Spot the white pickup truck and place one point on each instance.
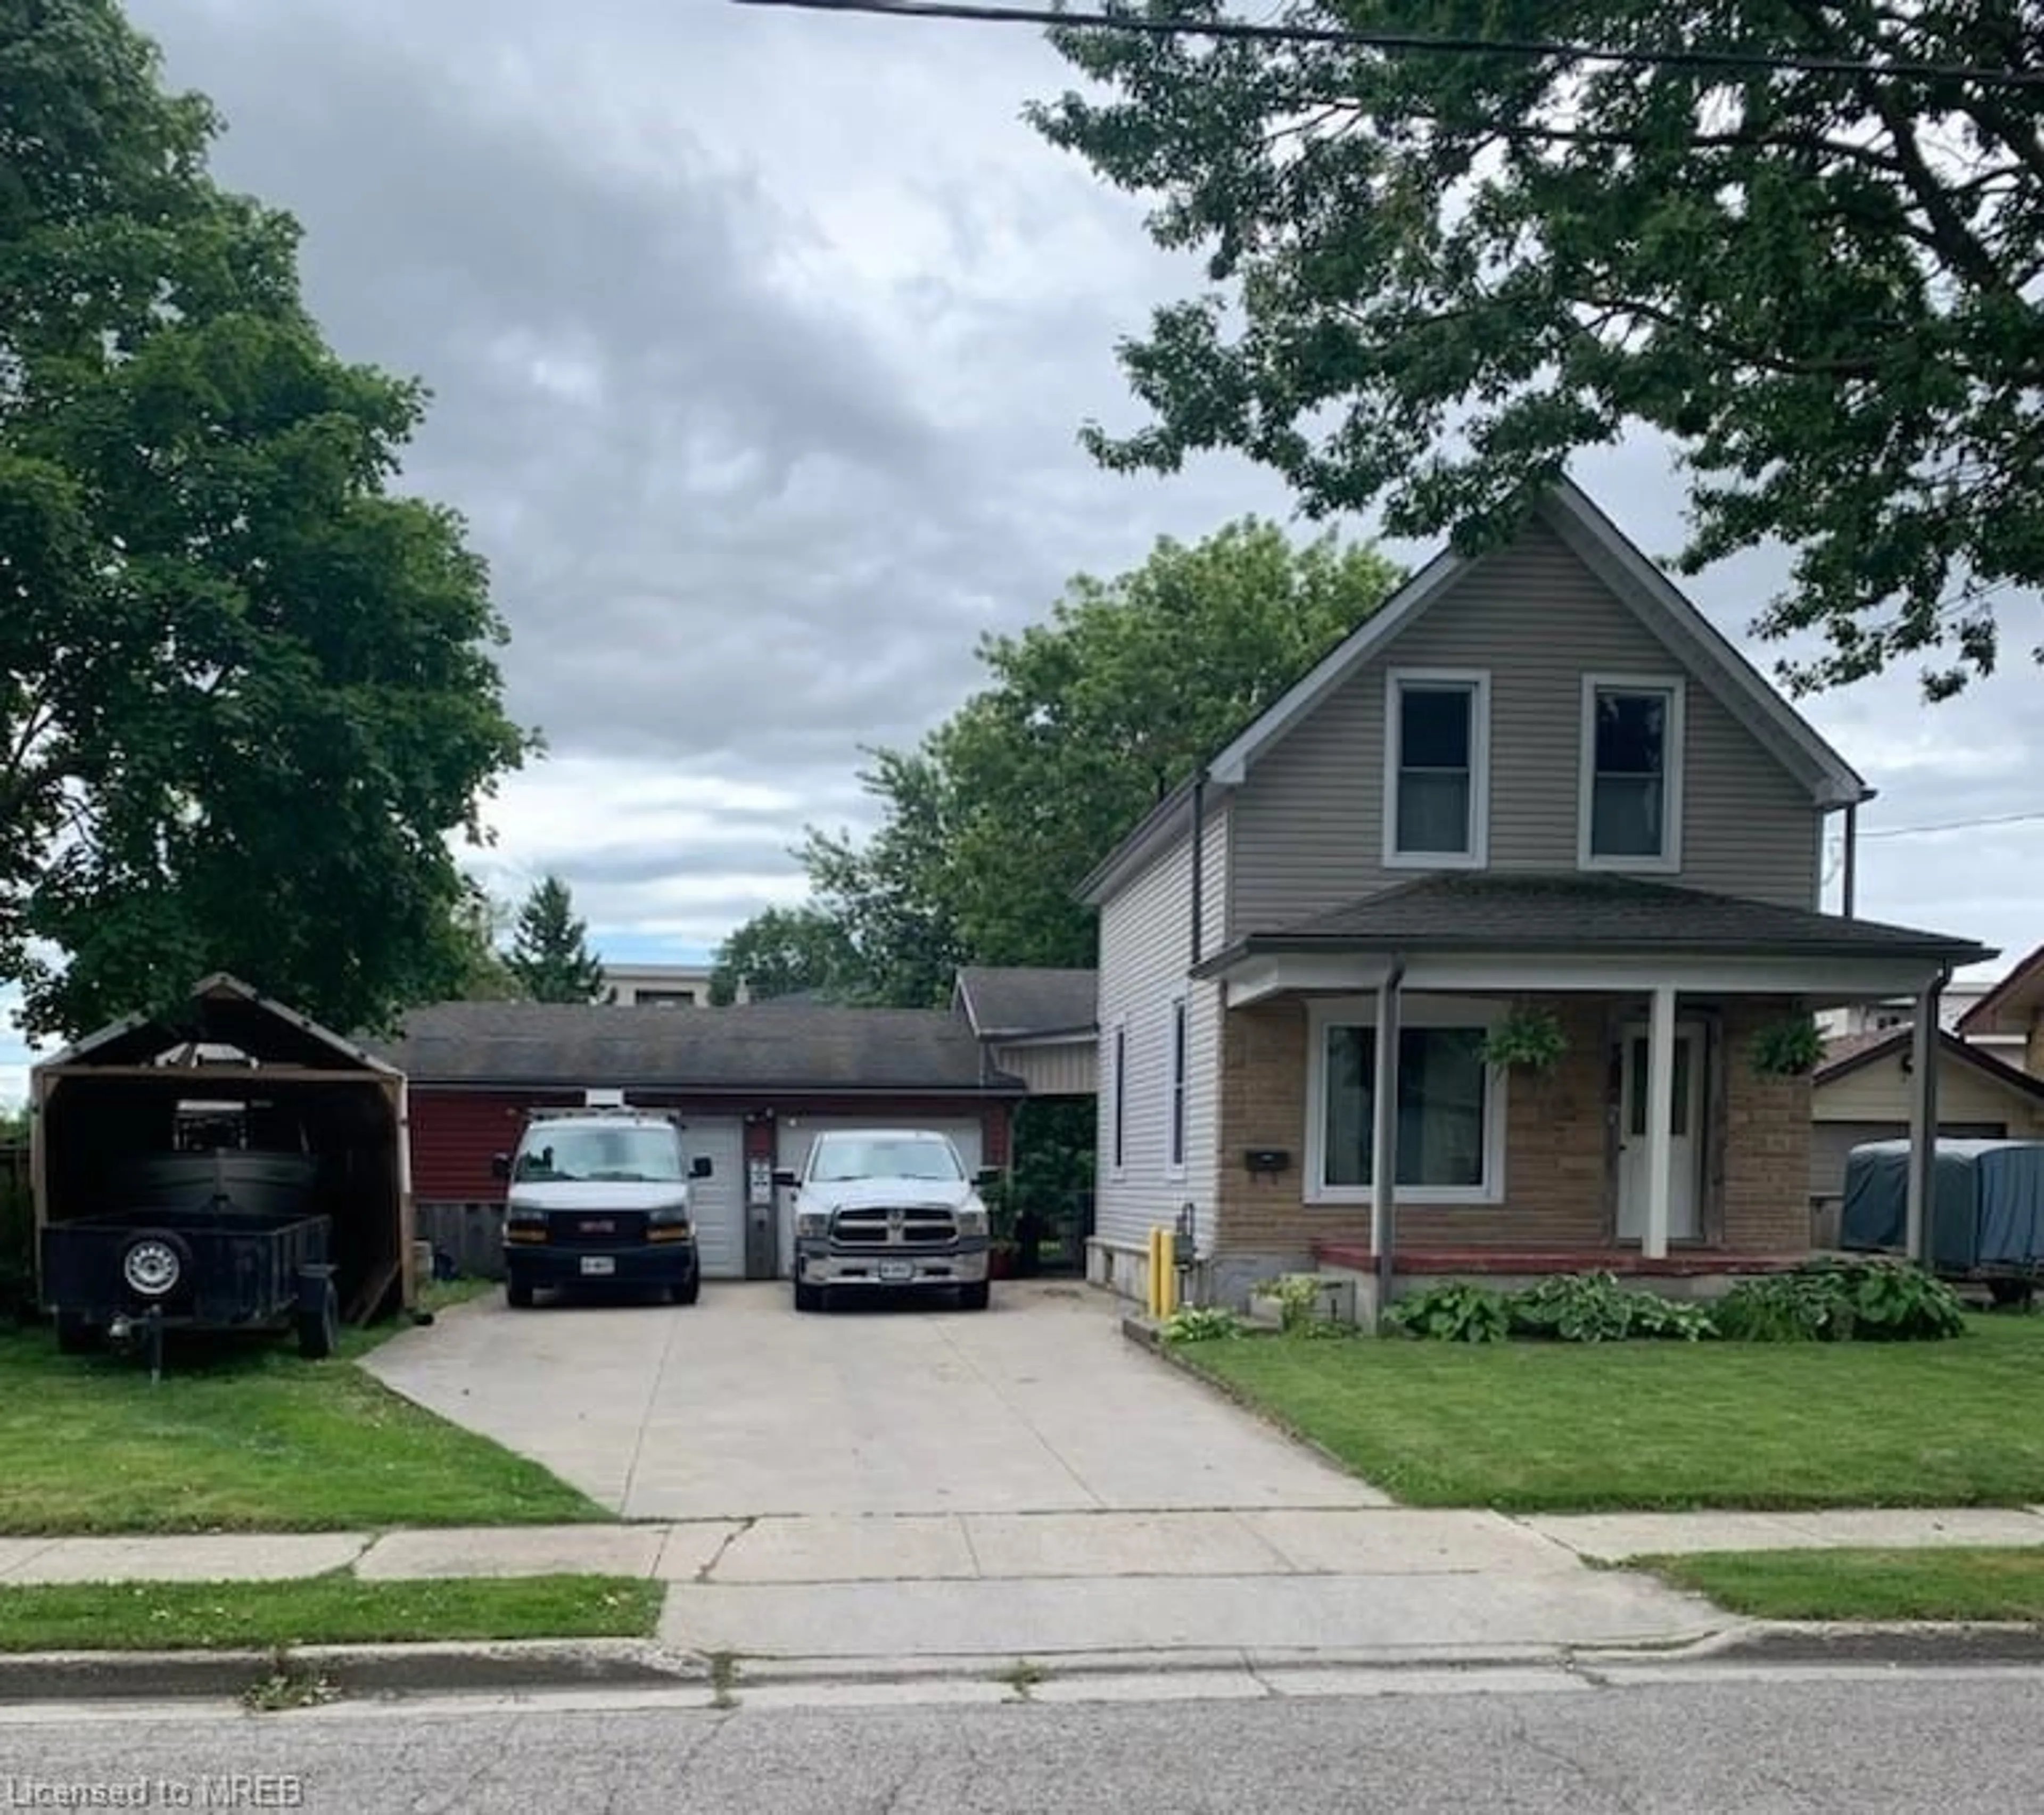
(887, 1209)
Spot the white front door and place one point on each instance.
(1685, 1131)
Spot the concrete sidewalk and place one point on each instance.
(1063, 1585)
(1171, 1544)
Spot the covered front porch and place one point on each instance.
(1579, 1072)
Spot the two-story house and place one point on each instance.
(1537, 791)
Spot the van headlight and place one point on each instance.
(972, 1219)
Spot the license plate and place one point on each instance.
(597, 1263)
(894, 1270)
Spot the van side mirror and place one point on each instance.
(499, 1165)
(786, 1178)
(700, 1167)
(987, 1176)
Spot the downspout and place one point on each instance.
(1852, 857)
(1199, 862)
(1384, 1136)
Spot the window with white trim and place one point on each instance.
(1437, 768)
(1179, 1057)
(1118, 1130)
(1450, 1106)
(1631, 784)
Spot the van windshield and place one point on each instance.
(841, 1158)
(619, 1156)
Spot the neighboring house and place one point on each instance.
(754, 1085)
(1957, 1002)
(1535, 780)
(1863, 1090)
(660, 985)
(2013, 1011)
(1041, 1026)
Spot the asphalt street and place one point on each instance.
(1951, 1740)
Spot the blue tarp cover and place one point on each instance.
(1987, 1200)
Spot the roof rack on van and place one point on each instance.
(603, 1111)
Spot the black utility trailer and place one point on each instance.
(229, 1166)
(130, 1275)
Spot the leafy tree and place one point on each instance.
(481, 922)
(1433, 276)
(1086, 722)
(784, 951)
(550, 955)
(246, 693)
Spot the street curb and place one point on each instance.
(349, 1670)
(637, 1666)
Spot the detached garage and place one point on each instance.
(1861, 1093)
(752, 1084)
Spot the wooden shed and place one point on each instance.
(234, 1068)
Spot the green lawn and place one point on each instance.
(243, 1439)
(320, 1609)
(1532, 1426)
(1931, 1584)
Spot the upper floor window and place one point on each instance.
(1436, 768)
(1632, 785)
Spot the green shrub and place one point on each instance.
(1654, 1316)
(17, 1252)
(1301, 1299)
(1201, 1323)
(1451, 1312)
(1843, 1301)
(1572, 1307)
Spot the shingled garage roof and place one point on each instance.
(759, 1046)
(1504, 913)
(1021, 1003)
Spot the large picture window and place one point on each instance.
(1450, 1105)
(1437, 762)
(1632, 774)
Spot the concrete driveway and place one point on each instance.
(1023, 1482)
(738, 1408)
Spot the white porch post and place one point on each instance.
(1924, 1054)
(1384, 1135)
(1660, 1121)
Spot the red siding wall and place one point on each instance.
(455, 1133)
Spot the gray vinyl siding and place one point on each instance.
(1145, 950)
(1308, 821)
(1064, 1068)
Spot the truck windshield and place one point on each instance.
(841, 1158)
(648, 1156)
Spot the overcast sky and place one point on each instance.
(759, 341)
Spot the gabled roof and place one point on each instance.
(780, 1046)
(1854, 1052)
(2017, 997)
(1478, 910)
(1024, 1003)
(1604, 548)
(223, 1012)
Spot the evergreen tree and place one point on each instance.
(550, 954)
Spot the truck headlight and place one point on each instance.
(972, 1220)
(812, 1222)
(674, 1216)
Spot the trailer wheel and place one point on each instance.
(319, 1328)
(75, 1335)
(155, 1262)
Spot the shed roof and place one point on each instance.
(1024, 1002)
(223, 1012)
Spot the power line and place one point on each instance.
(1951, 826)
(1809, 62)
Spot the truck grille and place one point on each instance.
(873, 1228)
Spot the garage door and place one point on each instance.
(718, 1201)
(795, 1133)
(1831, 1141)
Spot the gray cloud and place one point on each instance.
(759, 344)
